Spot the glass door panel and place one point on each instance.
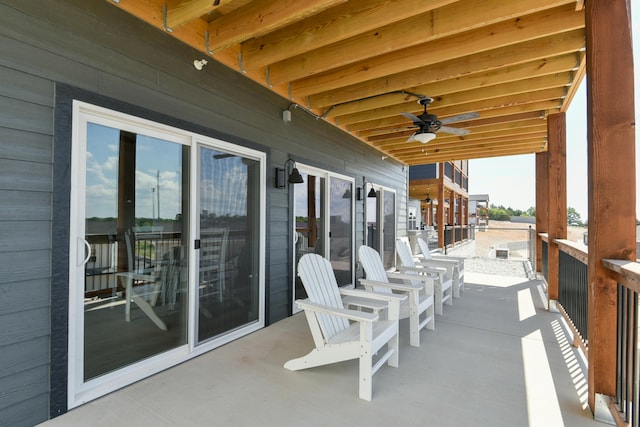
(389, 228)
(135, 279)
(373, 221)
(309, 222)
(341, 226)
(381, 223)
(229, 236)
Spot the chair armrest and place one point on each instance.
(372, 295)
(451, 257)
(355, 315)
(434, 270)
(426, 280)
(393, 301)
(403, 287)
(439, 262)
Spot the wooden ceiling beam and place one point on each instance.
(260, 17)
(470, 145)
(522, 72)
(535, 108)
(462, 97)
(520, 30)
(422, 158)
(410, 42)
(444, 139)
(180, 12)
(514, 126)
(334, 93)
(331, 26)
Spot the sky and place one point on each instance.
(510, 181)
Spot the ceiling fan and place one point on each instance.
(428, 124)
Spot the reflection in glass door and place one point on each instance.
(309, 230)
(229, 233)
(135, 272)
(381, 223)
(341, 229)
(323, 212)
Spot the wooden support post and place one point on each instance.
(557, 203)
(611, 178)
(542, 203)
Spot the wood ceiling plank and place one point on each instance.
(399, 58)
(331, 26)
(261, 17)
(333, 93)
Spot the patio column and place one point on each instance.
(611, 180)
(542, 203)
(557, 199)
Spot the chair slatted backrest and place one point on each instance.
(405, 255)
(213, 254)
(373, 267)
(424, 248)
(406, 258)
(320, 283)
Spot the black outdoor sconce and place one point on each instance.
(294, 176)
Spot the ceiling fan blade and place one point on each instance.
(459, 117)
(454, 131)
(412, 117)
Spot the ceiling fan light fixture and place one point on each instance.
(423, 137)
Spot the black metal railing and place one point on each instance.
(573, 290)
(627, 395)
(545, 260)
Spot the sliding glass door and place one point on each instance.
(166, 248)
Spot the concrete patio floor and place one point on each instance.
(496, 358)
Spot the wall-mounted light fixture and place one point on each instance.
(428, 199)
(359, 193)
(372, 193)
(199, 64)
(294, 176)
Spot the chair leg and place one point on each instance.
(366, 375)
(438, 298)
(414, 329)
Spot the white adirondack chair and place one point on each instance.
(335, 338)
(419, 307)
(445, 261)
(443, 286)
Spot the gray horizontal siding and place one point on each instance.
(23, 296)
(26, 413)
(25, 205)
(21, 145)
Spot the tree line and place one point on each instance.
(501, 213)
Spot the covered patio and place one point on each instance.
(498, 357)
